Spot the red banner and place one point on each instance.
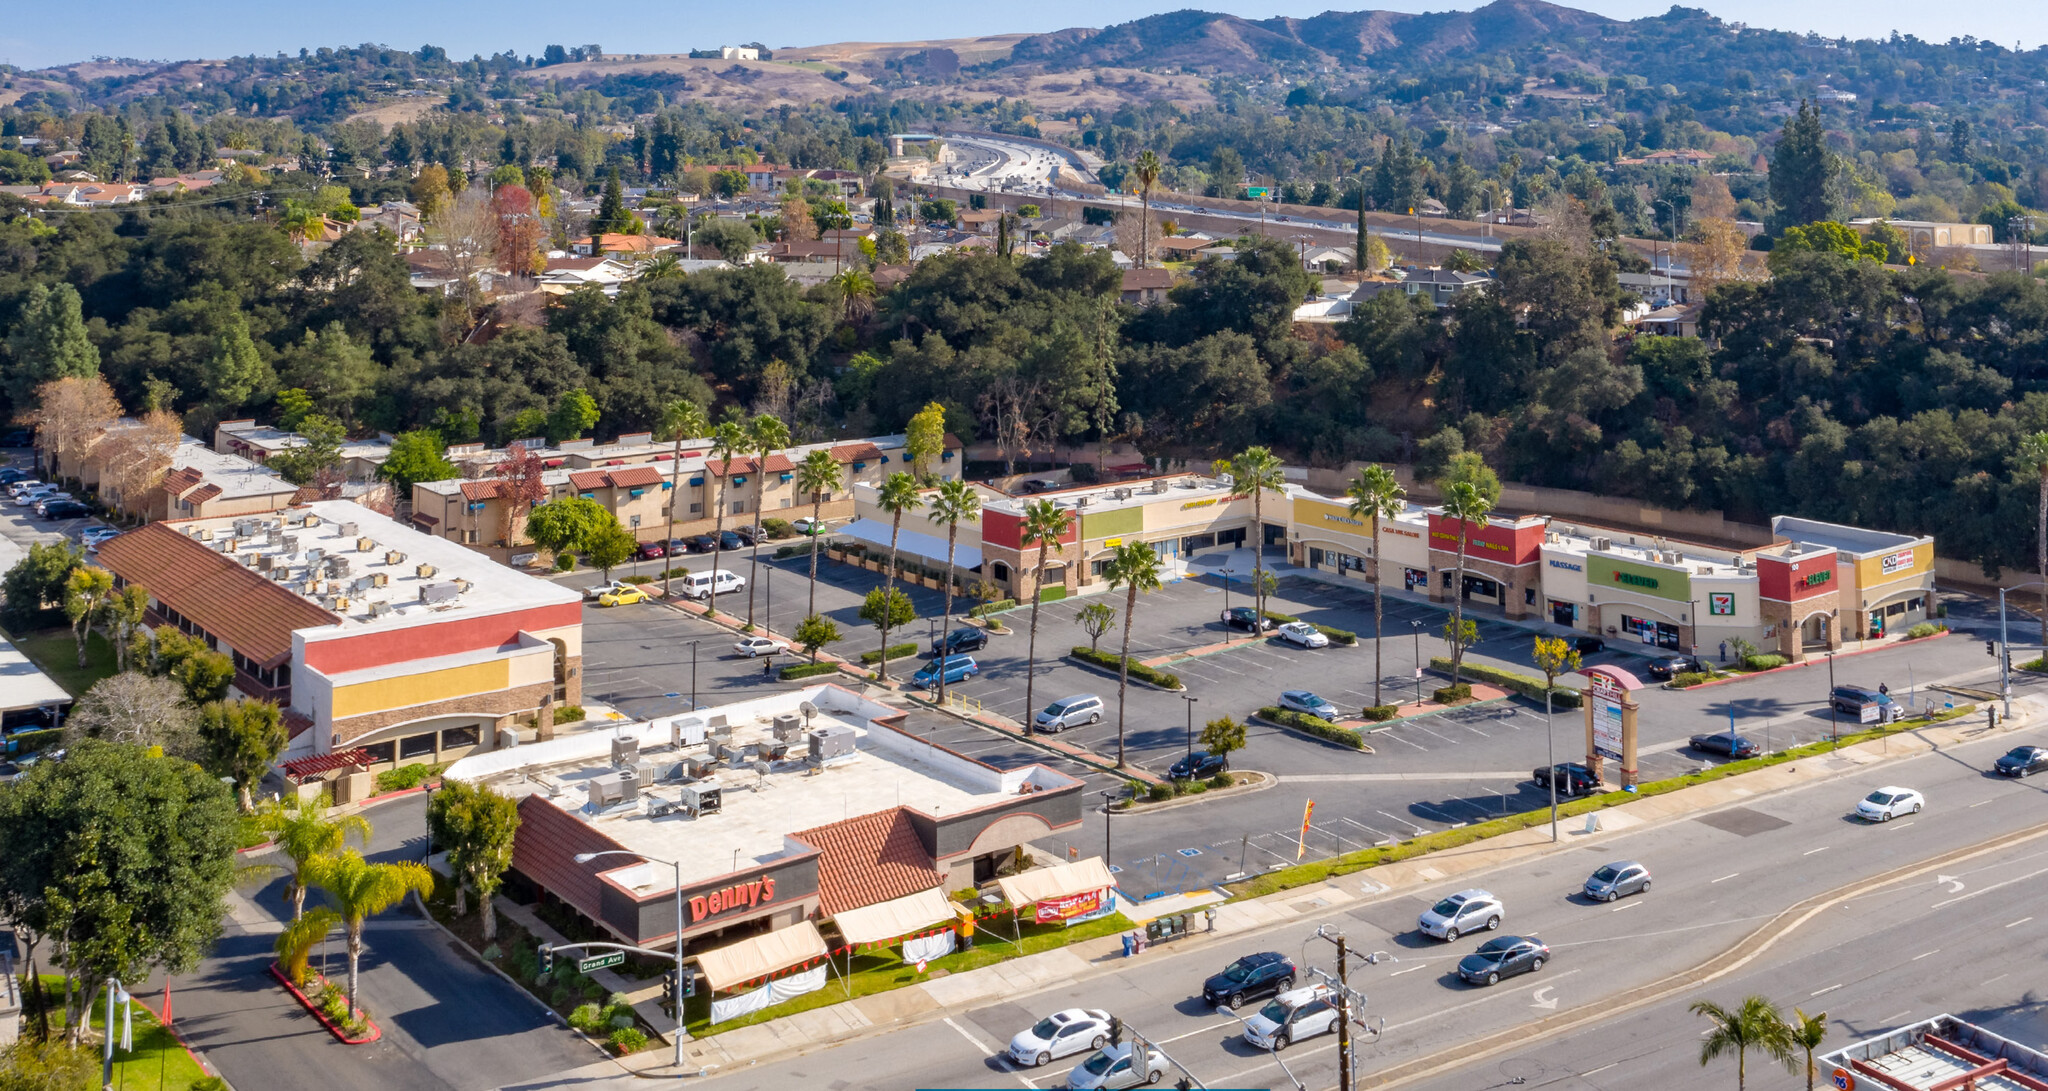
(1073, 905)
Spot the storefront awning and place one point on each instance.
(927, 547)
(895, 917)
(750, 959)
(1039, 884)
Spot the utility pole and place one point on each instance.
(1343, 1018)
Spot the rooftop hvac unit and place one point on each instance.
(394, 558)
(425, 571)
(310, 521)
(337, 566)
(1123, 494)
(314, 554)
(1601, 544)
(1158, 487)
(338, 604)
(685, 731)
(462, 586)
(787, 727)
(361, 584)
(281, 574)
(348, 530)
(777, 752)
(611, 789)
(439, 592)
(245, 527)
(379, 579)
(702, 799)
(831, 741)
(379, 609)
(288, 542)
(1081, 502)
(625, 752)
(366, 545)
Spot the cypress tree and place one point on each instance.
(1802, 173)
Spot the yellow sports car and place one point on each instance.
(623, 597)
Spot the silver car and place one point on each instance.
(1618, 880)
(1085, 708)
(1465, 911)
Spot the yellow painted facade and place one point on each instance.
(428, 687)
(1322, 519)
(1871, 572)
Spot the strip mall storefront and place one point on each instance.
(1501, 562)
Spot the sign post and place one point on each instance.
(1611, 721)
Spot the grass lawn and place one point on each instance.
(882, 970)
(56, 652)
(157, 1060)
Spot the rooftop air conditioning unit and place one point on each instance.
(245, 527)
(338, 604)
(787, 726)
(348, 530)
(366, 545)
(1601, 544)
(310, 521)
(439, 592)
(462, 586)
(425, 571)
(361, 584)
(1081, 502)
(702, 799)
(313, 555)
(379, 579)
(831, 741)
(394, 558)
(1158, 487)
(686, 731)
(379, 609)
(612, 789)
(249, 560)
(625, 752)
(288, 542)
(1123, 494)
(338, 566)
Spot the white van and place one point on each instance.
(699, 585)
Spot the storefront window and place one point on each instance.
(455, 737)
(1315, 557)
(1348, 563)
(1650, 632)
(419, 746)
(380, 751)
(1415, 578)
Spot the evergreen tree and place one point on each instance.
(236, 371)
(612, 216)
(1802, 173)
(48, 343)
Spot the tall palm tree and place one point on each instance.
(728, 441)
(1146, 170)
(2034, 455)
(899, 493)
(856, 291)
(766, 434)
(302, 831)
(1464, 502)
(680, 420)
(954, 503)
(1808, 1032)
(360, 890)
(1256, 471)
(1045, 523)
(1755, 1024)
(1134, 567)
(817, 474)
(1375, 495)
(667, 265)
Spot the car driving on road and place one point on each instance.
(1118, 1066)
(1292, 1016)
(1503, 956)
(1303, 634)
(1465, 911)
(1250, 976)
(1617, 880)
(1059, 1034)
(1888, 803)
(2022, 761)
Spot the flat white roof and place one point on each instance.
(23, 684)
(236, 476)
(1851, 540)
(1676, 555)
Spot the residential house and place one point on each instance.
(761, 177)
(739, 53)
(361, 459)
(981, 221)
(1144, 287)
(1439, 286)
(565, 275)
(615, 243)
(401, 218)
(1182, 247)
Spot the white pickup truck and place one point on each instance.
(591, 593)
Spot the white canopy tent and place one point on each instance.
(749, 959)
(895, 918)
(1059, 881)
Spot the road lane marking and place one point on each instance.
(1008, 1065)
(1901, 825)
(1726, 877)
(1988, 889)
(1829, 989)
(1629, 905)
(2019, 922)
(1810, 852)
(1197, 1030)
(1924, 954)
(1978, 804)
(1599, 1070)
(1412, 969)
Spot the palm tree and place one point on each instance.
(817, 474)
(1044, 523)
(667, 265)
(766, 434)
(2034, 455)
(360, 890)
(1256, 471)
(1808, 1032)
(1375, 495)
(1756, 1025)
(899, 493)
(1464, 502)
(954, 503)
(728, 442)
(856, 291)
(1135, 567)
(680, 420)
(302, 831)
(1146, 170)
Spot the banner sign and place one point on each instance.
(1071, 907)
(1301, 843)
(1607, 698)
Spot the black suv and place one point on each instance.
(1573, 779)
(1587, 645)
(1246, 618)
(960, 640)
(63, 509)
(1252, 975)
(1200, 765)
(1726, 745)
(1671, 666)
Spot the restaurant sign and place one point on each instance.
(738, 896)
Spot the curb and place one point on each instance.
(1100, 669)
(1811, 662)
(1085, 757)
(1363, 746)
(553, 1016)
(1268, 781)
(333, 1028)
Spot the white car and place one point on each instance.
(751, 646)
(1292, 1016)
(31, 497)
(612, 588)
(1059, 1034)
(1304, 634)
(1886, 804)
(1114, 1066)
(91, 537)
(1465, 911)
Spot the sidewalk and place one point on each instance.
(935, 998)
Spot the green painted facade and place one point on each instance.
(1607, 573)
(1112, 524)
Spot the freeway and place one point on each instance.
(1875, 896)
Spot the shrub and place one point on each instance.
(569, 714)
(1460, 692)
(778, 528)
(409, 776)
(996, 607)
(209, 1083)
(1221, 780)
(801, 549)
(1281, 619)
(627, 1040)
(1159, 791)
(1763, 662)
(1512, 681)
(1151, 676)
(1380, 714)
(1925, 628)
(896, 651)
(1344, 637)
(1197, 787)
(564, 562)
(2037, 666)
(638, 581)
(807, 670)
(1312, 725)
(27, 741)
(588, 1018)
(1690, 678)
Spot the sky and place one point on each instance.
(40, 35)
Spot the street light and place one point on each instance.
(1191, 723)
(1834, 717)
(1106, 800)
(1417, 627)
(586, 857)
(693, 676)
(2005, 646)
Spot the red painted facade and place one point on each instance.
(403, 644)
(1795, 579)
(1003, 529)
(1501, 543)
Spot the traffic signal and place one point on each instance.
(1991, 648)
(668, 990)
(1116, 1031)
(689, 988)
(547, 958)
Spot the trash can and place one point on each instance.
(1128, 945)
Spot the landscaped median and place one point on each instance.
(1345, 637)
(1151, 676)
(1512, 681)
(1322, 870)
(1314, 725)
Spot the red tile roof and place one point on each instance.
(203, 493)
(303, 768)
(870, 859)
(179, 481)
(744, 465)
(422, 519)
(546, 848)
(586, 480)
(777, 463)
(635, 477)
(856, 452)
(480, 490)
(254, 615)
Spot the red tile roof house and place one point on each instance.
(877, 816)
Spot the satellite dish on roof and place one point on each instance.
(807, 709)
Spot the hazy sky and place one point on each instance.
(35, 35)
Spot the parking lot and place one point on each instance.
(20, 527)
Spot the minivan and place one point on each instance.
(1068, 711)
(1852, 700)
(955, 668)
(698, 585)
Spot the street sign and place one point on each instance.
(599, 962)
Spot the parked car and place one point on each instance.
(1671, 666)
(1617, 880)
(699, 585)
(30, 497)
(63, 508)
(1888, 803)
(1726, 745)
(11, 474)
(1573, 779)
(703, 543)
(650, 551)
(1503, 956)
(2022, 761)
(1292, 1016)
(1304, 634)
(1858, 702)
(1465, 911)
(752, 646)
(624, 597)
(1252, 975)
(1200, 765)
(91, 537)
(1587, 645)
(19, 437)
(1301, 700)
(745, 533)
(807, 525)
(954, 667)
(1117, 1066)
(960, 640)
(730, 540)
(1248, 619)
(1059, 1034)
(678, 546)
(607, 588)
(1085, 708)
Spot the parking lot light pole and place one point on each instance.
(1191, 722)
(2005, 648)
(1417, 627)
(693, 676)
(1834, 715)
(1107, 793)
(586, 857)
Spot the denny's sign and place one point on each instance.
(745, 895)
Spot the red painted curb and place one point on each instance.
(333, 1028)
(180, 1039)
(1820, 659)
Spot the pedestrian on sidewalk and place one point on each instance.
(1724, 651)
